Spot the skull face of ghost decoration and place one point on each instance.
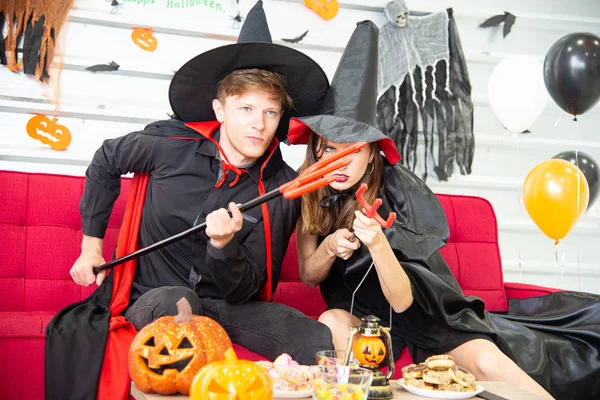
(402, 19)
(397, 13)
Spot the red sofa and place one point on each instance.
(40, 235)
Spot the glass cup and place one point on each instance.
(331, 359)
(327, 358)
(343, 383)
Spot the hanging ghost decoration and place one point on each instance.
(423, 78)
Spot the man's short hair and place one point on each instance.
(243, 80)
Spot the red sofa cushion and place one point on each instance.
(524, 290)
(41, 230)
(292, 291)
(472, 253)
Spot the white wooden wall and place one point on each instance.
(96, 106)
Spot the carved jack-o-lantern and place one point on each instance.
(49, 132)
(144, 39)
(232, 379)
(327, 9)
(165, 355)
(370, 350)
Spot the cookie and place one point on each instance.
(461, 376)
(450, 387)
(437, 377)
(418, 383)
(440, 362)
(413, 371)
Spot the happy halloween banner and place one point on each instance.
(210, 4)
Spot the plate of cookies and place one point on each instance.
(439, 377)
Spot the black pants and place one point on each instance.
(269, 329)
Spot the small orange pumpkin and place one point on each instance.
(327, 9)
(49, 132)
(369, 350)
(144, 39)
(232, 379)
(165, 355)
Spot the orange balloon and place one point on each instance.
(556, 195)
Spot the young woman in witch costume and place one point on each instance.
(398, 274)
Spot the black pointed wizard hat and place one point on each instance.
(194, 86)
(349, 111)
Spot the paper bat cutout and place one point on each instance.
(508, 19)
(111, 66)
(296, 39)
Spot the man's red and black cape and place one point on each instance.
(85, 334)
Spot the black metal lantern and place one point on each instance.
(371, 346)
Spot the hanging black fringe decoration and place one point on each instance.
(446, 120)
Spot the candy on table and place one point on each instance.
(337, 391)
(331, 364)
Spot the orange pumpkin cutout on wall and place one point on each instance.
(232, 379)
(165, 355)
(49, 132)
(370, 350)
(327, 9)
(144, 39)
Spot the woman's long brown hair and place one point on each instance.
(317, 220)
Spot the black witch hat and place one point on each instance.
(350, 108)
(194, 86)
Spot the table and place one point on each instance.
(499, 388)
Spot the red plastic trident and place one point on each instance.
(371, 210)
(310, 179)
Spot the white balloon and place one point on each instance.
(517, 92)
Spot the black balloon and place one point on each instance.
(572, 72)
(588, 166)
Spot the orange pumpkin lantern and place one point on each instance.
(327, 9)
(165, 355)
(144, 39)
(369, 350)
(232, 379)
(49, 132)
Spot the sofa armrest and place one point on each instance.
(516, 290)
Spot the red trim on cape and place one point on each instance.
(266, 291)
(114, 380)
(206, 129)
